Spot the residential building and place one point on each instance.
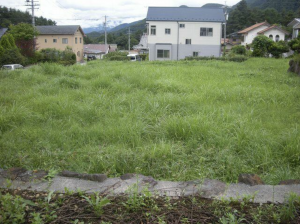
(142, 47)
(2, 31)
(177, 32)
(60, 37)
(295, 24)
(98, 50)
(273, 32)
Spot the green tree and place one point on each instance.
(1, 51)
(12, 56)
(23, 31)
(11, 40)
(261, 45)
(4, 42)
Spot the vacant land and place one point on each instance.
(172, 120)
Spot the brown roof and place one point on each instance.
(273, 27)
(98, 47)
(253, 27)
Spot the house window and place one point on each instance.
(277, 38)
(195, 54)
(75, 40)
(64, 40)
(163, 53)
(271, 36)
(54, 40)
(188, 41)
(204, 31)
(167, 31)
(181, 25)
(45, 40)
(80, 39)
(153, 30)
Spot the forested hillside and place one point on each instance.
(244, 15)
(279, 5)
(12, 16)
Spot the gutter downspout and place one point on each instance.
(177, 39)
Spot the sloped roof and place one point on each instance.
(188, 14)
(2, 31)
(294, 22)
(273, 27)
(59, 30)
(98, 48)
(253, 27)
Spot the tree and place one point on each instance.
(261, 45)
(24, 35)
(23, 31)
(278, 48)
(4, 42)
(11, 40)
(12, 56)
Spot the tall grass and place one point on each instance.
(174, 120)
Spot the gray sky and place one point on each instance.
(90, 13)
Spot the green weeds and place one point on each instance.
(175, 120)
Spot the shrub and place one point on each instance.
(66, 57)
(278, 48)
(12, 56)
(261, 45)
(143, 57)
(295, 44)
(239, 49)
(116, 56)
(235, 58)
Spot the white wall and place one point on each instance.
(191, 31)
(275, 32)
(249, 37)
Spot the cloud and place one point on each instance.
(90, 13)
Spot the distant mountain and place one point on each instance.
(99, 28)
(279, 5)
(134, 26)
(212, 5)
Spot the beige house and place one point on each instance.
(60, 37)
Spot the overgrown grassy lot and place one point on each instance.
(172, 120)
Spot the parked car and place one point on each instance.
(12, 67)
(134, 57)
(91, 57)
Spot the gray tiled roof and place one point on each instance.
(191, 14)
(62, 30)
(2, 31)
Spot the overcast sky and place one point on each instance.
(90, 13)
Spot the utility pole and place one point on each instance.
(129, 41)
(225, 24)
(105, 37)
(32, 4)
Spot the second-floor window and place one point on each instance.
(167, 31)
(75, 40)
(181, 25)
(45, 40)
(80, 39)
(64, 40)
(54, 40)
(204, 31)
(153, 30)
(188, 41)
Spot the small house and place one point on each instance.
(295, 24)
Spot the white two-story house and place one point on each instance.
(295, 24)
(177, 32)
